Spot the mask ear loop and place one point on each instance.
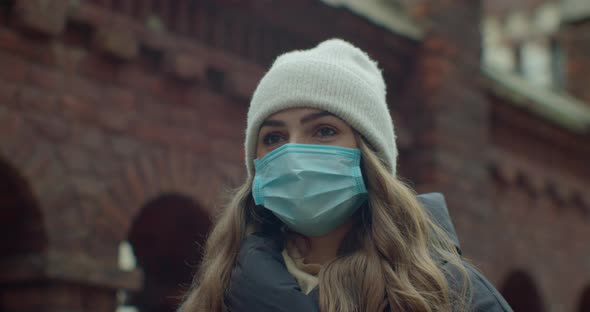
(263, 219)
(365, 209)
(363, 143)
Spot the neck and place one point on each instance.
(322, 249)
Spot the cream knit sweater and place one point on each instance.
(305, 274)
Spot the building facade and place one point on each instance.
(121, 129)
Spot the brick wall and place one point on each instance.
(539, 176)
(575, 39)
(450, 119)
(514, 183)
(107, 108)
(111, 108)
(100, 116)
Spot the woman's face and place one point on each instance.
(303, 126)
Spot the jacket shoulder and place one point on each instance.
(482, 295)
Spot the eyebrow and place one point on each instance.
(314, 116)
(305, 119)
(272, 123)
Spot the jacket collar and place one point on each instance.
(435, 205)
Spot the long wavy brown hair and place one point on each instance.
(391, 261)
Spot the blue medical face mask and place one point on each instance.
(313, 189)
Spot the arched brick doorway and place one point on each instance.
(521, 293)
(23, 239)
(585, 301)
(166, 239)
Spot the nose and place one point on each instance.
(297, 138)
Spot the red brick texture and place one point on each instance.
(575, 40)
(114, 111)
(450, 121)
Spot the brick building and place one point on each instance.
(121, 124)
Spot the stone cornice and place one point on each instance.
(564, 189)
(560, 109)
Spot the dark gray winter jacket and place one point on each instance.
(260, 280)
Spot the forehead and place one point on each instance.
(293, 113)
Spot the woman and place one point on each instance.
(322, 223)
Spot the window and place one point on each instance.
(127, 262)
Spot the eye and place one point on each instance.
(272, 138)
(325, 131)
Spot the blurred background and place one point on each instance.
(122, 121)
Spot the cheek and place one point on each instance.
(349, 140)
(260, 152)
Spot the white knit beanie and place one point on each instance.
(336, 77)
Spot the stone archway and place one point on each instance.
(521, 293)
(23, 238)
(166, 238)
(157, 192)
(584, 305)
(20, 215)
